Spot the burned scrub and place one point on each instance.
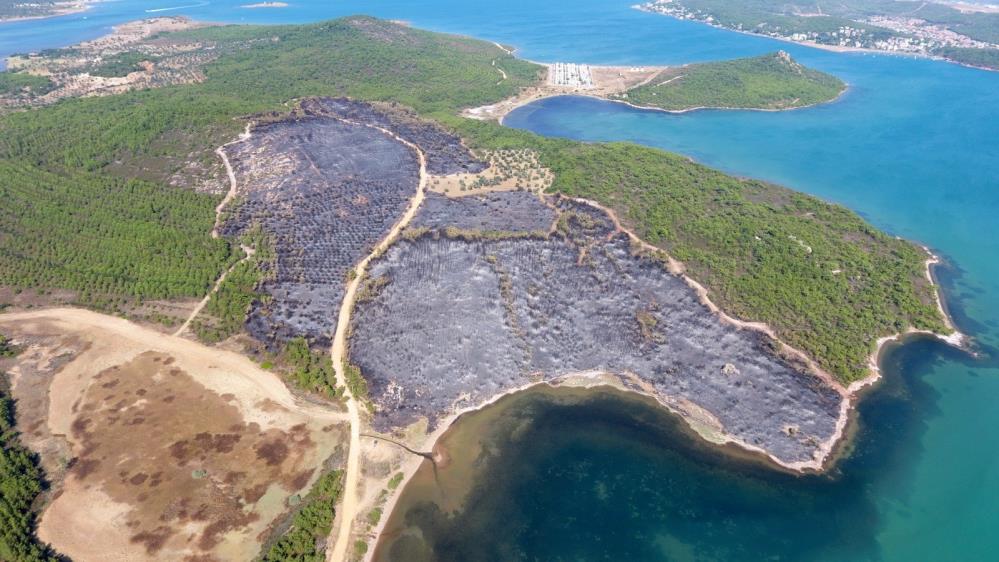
(509, 211)
(456, 321)
(325, 191)
(443, 150)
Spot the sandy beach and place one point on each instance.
(608, 81)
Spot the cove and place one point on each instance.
(598, 474)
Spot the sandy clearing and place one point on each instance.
(62, 519)
(282, 442)
(607, 80)
(115, 341)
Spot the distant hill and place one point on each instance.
(772, 81)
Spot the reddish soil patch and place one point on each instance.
(149, 436)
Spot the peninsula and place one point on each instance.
(297, 228)
(769, 82)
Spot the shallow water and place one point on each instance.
(913, 146)
(596, 475)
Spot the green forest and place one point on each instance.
(24, 84)
(311, 524)
(121, 64)
(983, 58)
(772, 81)
(21, 481)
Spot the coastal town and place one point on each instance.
(892, 33)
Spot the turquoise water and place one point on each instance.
(913, 146)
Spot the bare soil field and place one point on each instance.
(162, 447)
(508, 170)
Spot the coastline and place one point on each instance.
(596, 379)
(826, 453)
(501, 109)
(726, 108)
(587, 380)
(825, 47)
(71, 8)
(955, 338)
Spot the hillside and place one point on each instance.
(88, 181)
(744, 240)
(772, 81)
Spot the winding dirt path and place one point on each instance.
(220, 151)
(501, 71)
(247, 251)
(347, 511)
(502, 48)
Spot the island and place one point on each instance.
(299, 229)
(965, 33)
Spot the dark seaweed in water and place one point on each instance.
(609, 477)
(467, 319)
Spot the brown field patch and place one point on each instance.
(178, 451)
(509, 170)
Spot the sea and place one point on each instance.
(913, 146)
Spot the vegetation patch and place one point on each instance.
(123, 64)
(773, 81)
(357, 384)
(21, 481)
(24, 84)
(508, 170)
(226, 310)
(310, 370)
(311, 525)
